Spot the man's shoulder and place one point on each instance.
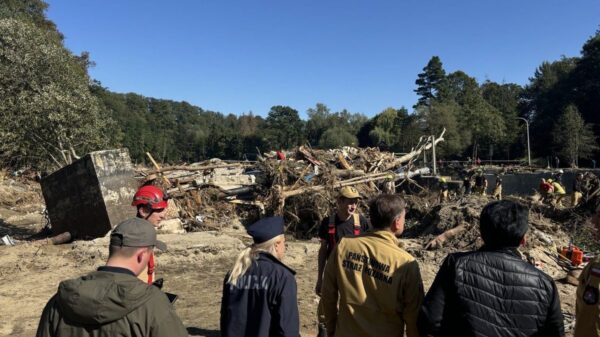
(385, 247)
(499, 261)
(270, 263)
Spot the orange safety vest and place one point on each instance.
(331, 230)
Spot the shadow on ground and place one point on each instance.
(15, 231)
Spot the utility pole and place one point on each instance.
(434, 160)
(528, 146)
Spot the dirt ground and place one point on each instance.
(193, 268)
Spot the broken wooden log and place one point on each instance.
(61, 238)
(354, 181)
(439, 240)
(201, 168)
(306, 153)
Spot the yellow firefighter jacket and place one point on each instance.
(588, 303)
(378, 285)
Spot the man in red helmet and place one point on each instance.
(151, 203)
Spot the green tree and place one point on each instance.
(585, 81)
(442, 115)
(382, 134)
(482, 126)
(47, 111)
(29, 10)
(506, 99)
(430, 81)
(337, 137)
(392, 129)
(249, 125)
(544, 98)
(573, 139)
(318, 122)
(284, 128)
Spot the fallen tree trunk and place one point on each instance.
(439, 240)
(354, 181)
(200, 168)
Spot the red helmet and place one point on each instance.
(150, 195)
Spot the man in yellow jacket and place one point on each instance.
(587, 312)
(378, 284)
(559, 192)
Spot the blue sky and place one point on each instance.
(363, 56)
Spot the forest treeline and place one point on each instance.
(51, 111)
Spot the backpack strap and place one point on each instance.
(357, 228)
(331, 231)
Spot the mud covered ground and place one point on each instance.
(195, 264)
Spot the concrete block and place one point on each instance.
(92, 195)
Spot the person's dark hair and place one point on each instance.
(123, 251)
(384, 209)
(146, 207)
(503, 223)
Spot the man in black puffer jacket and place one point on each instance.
(492, 291)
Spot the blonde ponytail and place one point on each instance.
(249, 255)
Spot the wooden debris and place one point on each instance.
(305, 184)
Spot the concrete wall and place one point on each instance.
(522, 184)
(525, 183)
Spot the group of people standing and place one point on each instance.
(367, 283)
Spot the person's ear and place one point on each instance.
(141, 255)
(397, 224)
(142, 212)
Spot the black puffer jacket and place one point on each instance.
(491, 293)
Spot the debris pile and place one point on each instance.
(299, 184)
(17, 190)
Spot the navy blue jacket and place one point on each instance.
(263, 303)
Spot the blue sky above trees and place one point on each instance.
(240, 56)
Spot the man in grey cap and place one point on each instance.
(112, 300)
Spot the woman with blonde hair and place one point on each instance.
(260, 293)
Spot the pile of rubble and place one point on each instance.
(299, 184)
(16, 189)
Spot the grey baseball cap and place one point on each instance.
(136, 232)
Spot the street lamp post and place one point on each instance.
(528, 146)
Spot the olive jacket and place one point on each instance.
(109, 302)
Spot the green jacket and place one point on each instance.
(107, 303)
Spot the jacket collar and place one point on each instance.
(506, 250)
(118, 270)
(268, 257)
(386, 235)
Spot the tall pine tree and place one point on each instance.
(430, 81)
